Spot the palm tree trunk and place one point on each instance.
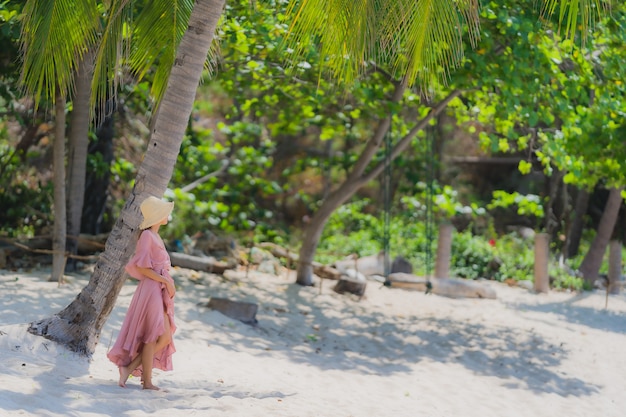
(578, 223)
(78, 326)
(590, 266)
(60, 228)
(77, 155)
(94, 205)
(355, 180)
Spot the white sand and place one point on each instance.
(394, 353)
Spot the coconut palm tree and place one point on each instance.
(78, 325)
(47, 75)
(91, 50)
(431, 30)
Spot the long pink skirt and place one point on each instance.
(144, 323)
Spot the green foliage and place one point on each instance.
(514, 257)
(26, 221)
(563, 107)
(350, 231)
(445, 202)
(54, 37)
(506, 257)
(19, 219)
(17, 186)
(563, 280)
(471, 257)
(285, 134)
(529, 205)
(230, 205)
(9, 53)
(421, 42)
(157, 31)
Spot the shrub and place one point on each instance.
(472, 257)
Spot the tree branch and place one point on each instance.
(187, 188)
(404, 142)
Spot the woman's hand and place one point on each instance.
(169, 283)
(171, 288)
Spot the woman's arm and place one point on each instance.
(147, 272)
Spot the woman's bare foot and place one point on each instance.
(124, 374)
(152, 387)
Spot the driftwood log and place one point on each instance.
(408, 282)
(238, 310)
(200, 263)
(87, 244)
(38, 245)
(447, 287)
(321, 270)
(346, 285)
(90, 244)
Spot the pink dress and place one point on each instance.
(144, 321)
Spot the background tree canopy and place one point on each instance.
(278, 146)
(492, 118)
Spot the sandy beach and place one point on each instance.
(314, 352)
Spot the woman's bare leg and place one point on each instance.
(166, 337)
(125, 371)
(124, 374)
(147, 358)
(162, 341)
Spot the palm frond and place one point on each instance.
(158, 30)
(576, 16)
(157, 33)
(343, 30)
(55, 36)
(111, 52)
(429, 37)
(420, 38)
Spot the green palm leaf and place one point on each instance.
(414, 37)
(112, 50)
(344, 30)
(428, 37)
(576, 15)
(140, 38)
(420, 40)
(158, 30)
(55, 35)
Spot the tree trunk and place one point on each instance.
(97, 182)
(578, 223)
(590, 266)
(356, 179)
(615, 266)
(444, 251)
(551, 220)
(77, 156)
(542, 262)
(314, 229)
(60, 227)
(78, 326)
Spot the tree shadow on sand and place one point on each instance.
(571, 311)
(311, 329)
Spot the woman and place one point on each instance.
(145, 339)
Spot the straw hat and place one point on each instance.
(154, 210)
